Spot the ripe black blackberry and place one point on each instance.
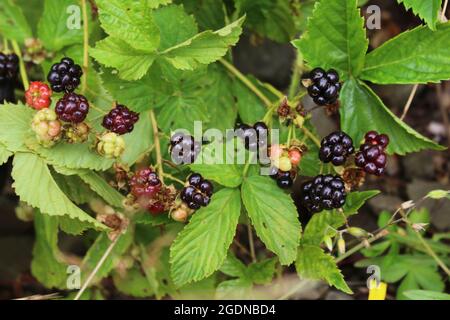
(183, 148)
(324, 192)
(284, 179)
(335, 148)
(72, 108)
(65, 75)
(120, 120)
(371, 156)
(254, 136)
(198, 193)
(9, 67)
(325, 86)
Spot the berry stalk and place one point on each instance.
(23, 71)
(85, 45)
(157, 146)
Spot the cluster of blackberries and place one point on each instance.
(9, 67)
(183, 148)
(325, 86)
(198, 193)
(335, 148)
(254, 136)
(146, 186)
(371, 156)
(284, 179)
(72, 108)
(65, 75)
(324, 192)
(120, 120)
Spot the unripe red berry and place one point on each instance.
(38, 95)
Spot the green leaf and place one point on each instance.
(47, 266)
(250, 108)
(201, 247)
(233, 267)
(113, 52)
(31, 174)
(99, 247)
(337, 29)
(426, 295)
(72, 156)
(439, 194)
(262, 272)
(268, 18)
(156, 3)
(58, 27)
(130, 22)
(274, 216)
(175, 26)
(320, 223)
(209, 14)
(4, 154)
(133, 283)
(313, 263)
(236, 289)
(138, 142)
(73, 187)
(417, 56)
(17, 118)
(362, 108)
(216, 162)
(426, 10)
(204, 48)
(102, 188)
(150, 92)
(146, 218)
(13, 24)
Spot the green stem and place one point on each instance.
(311, 136)
(85, 45)
(157, 145)
(250, 242)
(23, 71)
(247, 82)
(361, 245)
(171, 177)
(5, 45)
(295, 81)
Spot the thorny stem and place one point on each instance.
(23, 71)
(97, 267)
(247, 82)
(85, 45)
(157, 146)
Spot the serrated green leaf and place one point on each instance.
(102, 188)
(204, 48)
(274, 216)
(209, 14)
(425, 295)
(75, 189)
(426, 10)
(362, 108)
(216, 162)
(133, 283)
(268, 18)
(201, 247)
(13, 24)
(58, 26)
(233, 267)
(46, 265)
(17, 118)
(157, 3)
(4, 154)
(417, 56)
(130, 22)
(147, 218)
(98, 248)
(113, 52)
(175, 25)
(262, 272)
(250, 108)
(72, 156)
(313, 263)
(138, 142)
(34, 184)
(236, 289)
(320, 223)
(337, 29)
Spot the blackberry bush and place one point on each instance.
(119, 185)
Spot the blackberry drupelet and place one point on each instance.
(65, 75)
(9, 67)
(324, 192)
(72, 108)
(120, 120)
(198, 193)
(371, 156)
(325, 86)
(335, 148)
(183, 148)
